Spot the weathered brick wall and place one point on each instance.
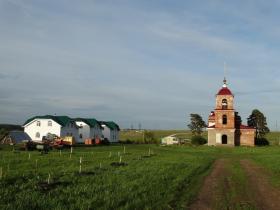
(234, 137)
(230, 136)
(230, 118)
(247, 137)
(220, 98)
(211, 137)
(211, 120)
(215, 136)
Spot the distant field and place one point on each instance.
(273, 138)
(137, 136)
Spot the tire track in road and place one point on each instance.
(266, 196)
(225, 188)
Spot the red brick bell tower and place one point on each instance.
(224, 124)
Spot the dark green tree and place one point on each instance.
(258, 121)
(197, 124)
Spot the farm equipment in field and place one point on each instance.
(61, 142)
(49, 142)
(43, 147)
(68, 140)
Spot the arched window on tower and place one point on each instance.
(224, 104)
(224, 119)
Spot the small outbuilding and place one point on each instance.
(169, 140)
(15, 137)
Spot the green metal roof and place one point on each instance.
(61, 120)
(64, 120)
(110, 124)
(90, 121)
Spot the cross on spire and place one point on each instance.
(225, 69)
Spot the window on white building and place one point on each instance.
(37, 135)
(81, 136)
(38, 123)
(49, 123)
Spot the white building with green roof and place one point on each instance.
(39, 126)
(88, 128)
(110, 131)
(80, 128)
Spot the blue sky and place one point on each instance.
(137, 61)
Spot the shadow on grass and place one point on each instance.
(118, 164)
(86, 173)
(46, 187)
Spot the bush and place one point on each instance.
(149, 137)
(198, 140)
(261, 142)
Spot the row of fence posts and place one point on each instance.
(80, 165)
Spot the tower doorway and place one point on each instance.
(224, 139)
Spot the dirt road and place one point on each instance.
(237, 184)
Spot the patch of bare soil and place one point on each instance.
(207, 196)
(266, 196)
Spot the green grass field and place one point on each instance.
(152, 177)
(149, 176)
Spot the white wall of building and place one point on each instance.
(84, 131)
(111, 135)
(42, 127)
(218, 138)
(70, 130)
(38, 128)
(96, 132)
